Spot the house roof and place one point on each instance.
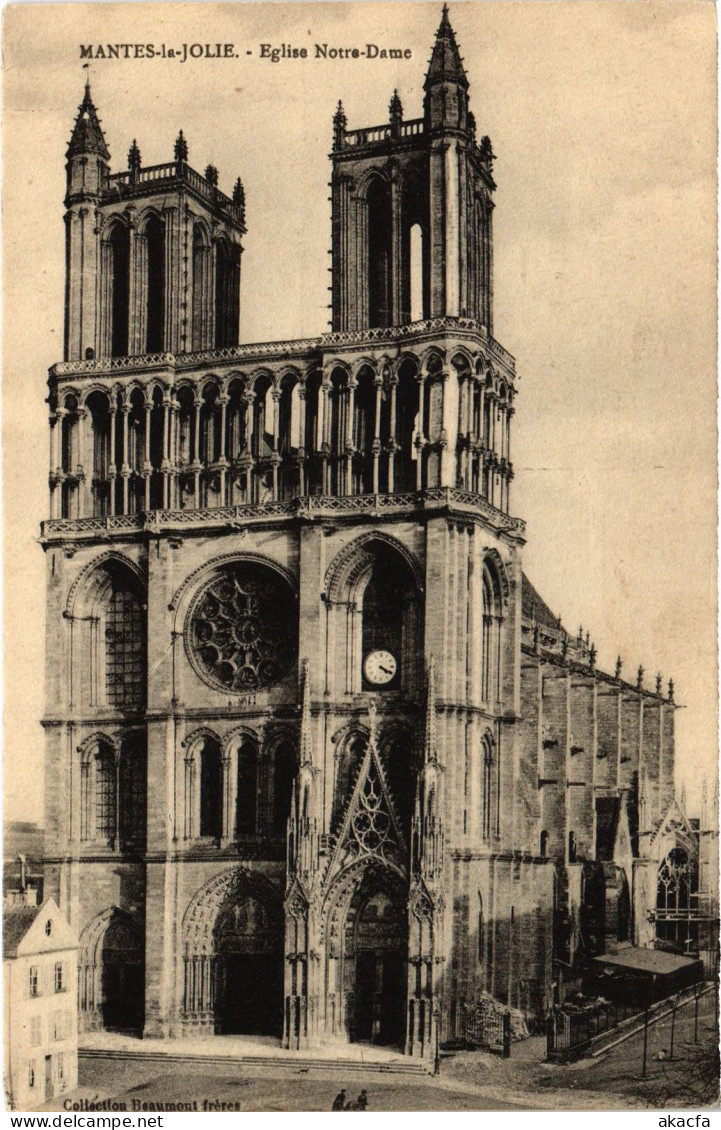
(16, 923)
(646, 961)
(534, 607)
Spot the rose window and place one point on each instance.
(242, 631)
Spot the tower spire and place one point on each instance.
(87, 135)
(446, 64)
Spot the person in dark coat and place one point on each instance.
(339, 1101)
(361, 1102)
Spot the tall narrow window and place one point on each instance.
(133, 773)
(211, 790)
(338, 401)
(105, 795)
(313, 436)
(487, 793)
(364, 431)
(227, 279)
(491, 635)
(406, 456)
(119, 303)
(379, 255)
(124, 649)
(201, 312)
(247, 804)
(155, 295)
(416, 273)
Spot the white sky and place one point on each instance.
(602, 116)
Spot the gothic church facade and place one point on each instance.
(321, 763)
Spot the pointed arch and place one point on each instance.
(110, 972)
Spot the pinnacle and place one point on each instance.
(87, 135)
(446, 64)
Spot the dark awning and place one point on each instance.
(636, 959)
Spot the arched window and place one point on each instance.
(227, 281)
(675, 895)
(211, 789)
(487, 788)
(364, 412)
(284, 770)
(415, 272)
(98, 406)
(69, 456)
(118, 264)
(289, 438)
(572, 847)
(416, 259)
(133, 793)
(124, 644)
(491, 635)
(201, 283)
(135, 421)
(313, 434)
(544, 843)
(406, 457)
(262, 440)
(247, 802)
(105, 794)
(379, 254)
(338, 405)
(155, 286)
(157, 431)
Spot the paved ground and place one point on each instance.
(468, 1080)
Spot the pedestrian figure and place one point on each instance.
(339, 1101)
(362, 1101)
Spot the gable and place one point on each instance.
(370, 827)
(37, 940)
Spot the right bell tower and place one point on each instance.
(412, 208)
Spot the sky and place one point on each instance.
(603, 121)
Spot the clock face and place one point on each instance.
(380, 667)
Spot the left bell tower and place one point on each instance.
(152, 253)
(88, 174)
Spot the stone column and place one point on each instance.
(420, 438)
(125, 447)
(112, 466)
(147, 465)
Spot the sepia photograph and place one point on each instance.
(360, 745)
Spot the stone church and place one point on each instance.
(321, 764)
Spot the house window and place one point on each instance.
(31, 1075)
(48, 928)
(59, 1026)
(59, 977)
(35, 1031)
(34, 981)
(61, 1067)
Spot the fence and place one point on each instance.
(568, 1034)
(489, 1028)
